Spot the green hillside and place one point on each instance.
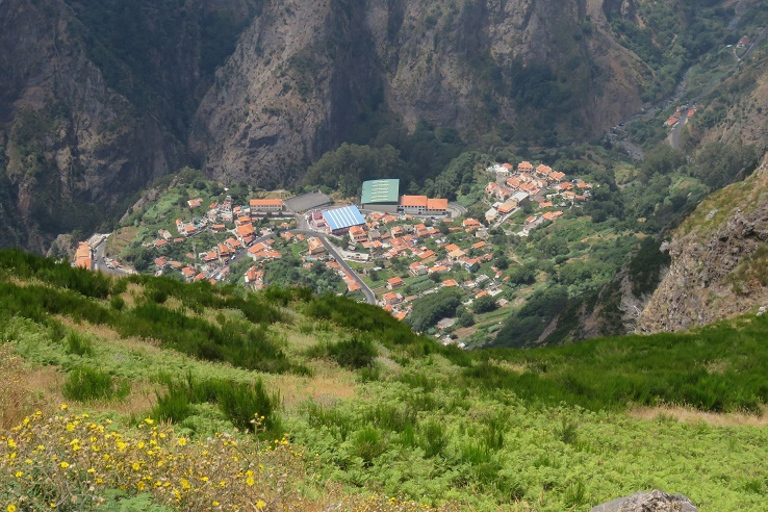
(144, 393)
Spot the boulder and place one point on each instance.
(656, 501)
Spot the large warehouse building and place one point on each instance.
(381, 195)
(339, 220)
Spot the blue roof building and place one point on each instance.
(340, 220)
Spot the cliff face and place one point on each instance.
(303, 73)
(98, 98)
(719, 260)
(81, 125)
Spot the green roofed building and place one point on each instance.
(381, 195)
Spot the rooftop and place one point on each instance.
(380, 191)
(342, 218)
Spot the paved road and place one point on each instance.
(369, 295)
(674, 135)
(456, 209)
(100, 265)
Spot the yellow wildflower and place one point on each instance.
(64, 465)
(260, 504)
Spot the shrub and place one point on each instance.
(86, 383)
(368, 444)
(352, 354)
(239, 402)
(79, 345)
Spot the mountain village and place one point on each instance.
(389, 249)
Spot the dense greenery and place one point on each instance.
(432, 308)
(486, 428)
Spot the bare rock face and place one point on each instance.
(656, 501)
(304, 71)
(718, 260)
(68, 138)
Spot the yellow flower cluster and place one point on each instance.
(72, 459)
(51, 462)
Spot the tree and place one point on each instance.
(346, 167)
(428, 310)
(466, 319)
(484, 304)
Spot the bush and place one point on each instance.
(352, 354)
(79, 345)
(86, 383)
(484, 304)
(240, 402)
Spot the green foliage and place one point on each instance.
(460, 171)
(428, 310)
(646, 266)
(248, 406)
(79, 345)
(346, 168)
(355, 353)
(718, 164)
(287, 272)
(365, 318)
(85, 383)
(28, 266)
(528, 323)
(119, 501)
(484, 304)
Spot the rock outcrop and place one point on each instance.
(655, 501)
(719, 257)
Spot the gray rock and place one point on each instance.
(656, 501)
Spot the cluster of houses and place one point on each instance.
(387, 236)
(211, 265)
(516, 186)
(681, 112)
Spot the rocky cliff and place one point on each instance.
(303, 74)
(719, 260)
(92, 106)
(99, 98)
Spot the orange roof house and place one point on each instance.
(245, 230)
(551, 215)
(524, 166)
(395, 282)
(507, 207)
(315, 246)
(437, 204)
(392, 298)
(267, 204)
(556, 176)
(414, 201)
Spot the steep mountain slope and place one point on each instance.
(143, 381)
(98, 98)
(718, 267)
(93, 98)
(302, 76)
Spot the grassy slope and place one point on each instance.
(544, 429)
